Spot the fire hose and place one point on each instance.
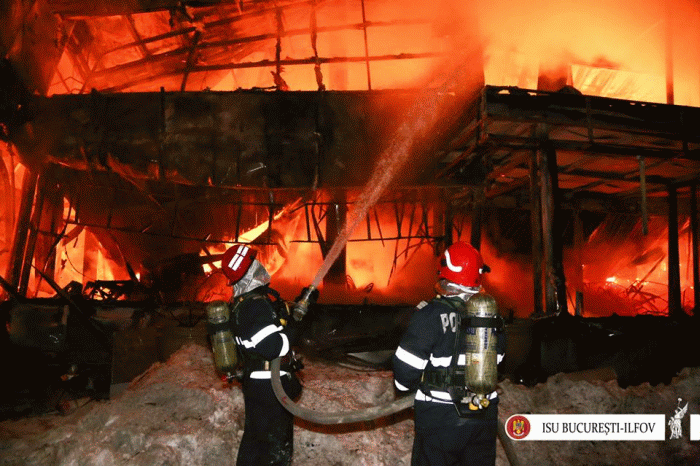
(365, 414)
(347, 417)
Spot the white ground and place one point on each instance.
(179, 413)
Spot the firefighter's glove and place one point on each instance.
(308, 296)
(313, 296)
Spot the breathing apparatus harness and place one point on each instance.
(229, 359)
(468, 385)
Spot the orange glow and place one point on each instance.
(624, 275)
(640, 263)
(371, 271)
(613, 49)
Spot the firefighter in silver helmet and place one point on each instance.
(453, 425)
(263, 331)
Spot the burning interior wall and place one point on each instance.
(149, 139)
(85, 235)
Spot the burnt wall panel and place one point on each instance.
(227, 139)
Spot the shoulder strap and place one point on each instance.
(454, 303)
(245, 297)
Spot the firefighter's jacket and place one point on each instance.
(429, 341)
(259, 332)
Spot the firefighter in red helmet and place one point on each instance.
(431, 360)
(263, 330)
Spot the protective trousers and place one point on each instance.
(442, 438)
(269, 428)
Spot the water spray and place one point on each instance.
(431, 107)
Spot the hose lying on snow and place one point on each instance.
(348, 417)
(366, 414)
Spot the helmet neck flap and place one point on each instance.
(255, 277)
(446, 288)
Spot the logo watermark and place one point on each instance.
(587, 427)
(675, 422)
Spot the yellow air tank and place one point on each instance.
(481, 371)
(222, 341)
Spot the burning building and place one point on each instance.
(351, 140)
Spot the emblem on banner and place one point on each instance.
(517, 427)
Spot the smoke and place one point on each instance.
(583, 40)
(519, 40)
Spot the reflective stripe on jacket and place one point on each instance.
(429, 342)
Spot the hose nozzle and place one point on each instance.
(301, 307)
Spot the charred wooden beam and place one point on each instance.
(477, 220)
(77, 8)
(135, 34)
(191, 60)
(335, 221)
(29, 183)
(509, 141)
(536, 226)
(696, 250)
(256, 64)
(223, 43)
(643, 195)
(651, 122)
(11, 289)
(547, 208)
(555, 287)
(675, 305)
(578, 266)
(34, 223)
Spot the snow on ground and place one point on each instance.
(180, 413)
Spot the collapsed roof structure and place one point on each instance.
(140, 139)
(134, 117)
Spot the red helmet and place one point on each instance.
(236, 261)
(462, 263)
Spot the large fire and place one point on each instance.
(618, 270)
(620, 49)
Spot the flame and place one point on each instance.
(622, 270)
(385, 270)
(614, 49)
(640, 283)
